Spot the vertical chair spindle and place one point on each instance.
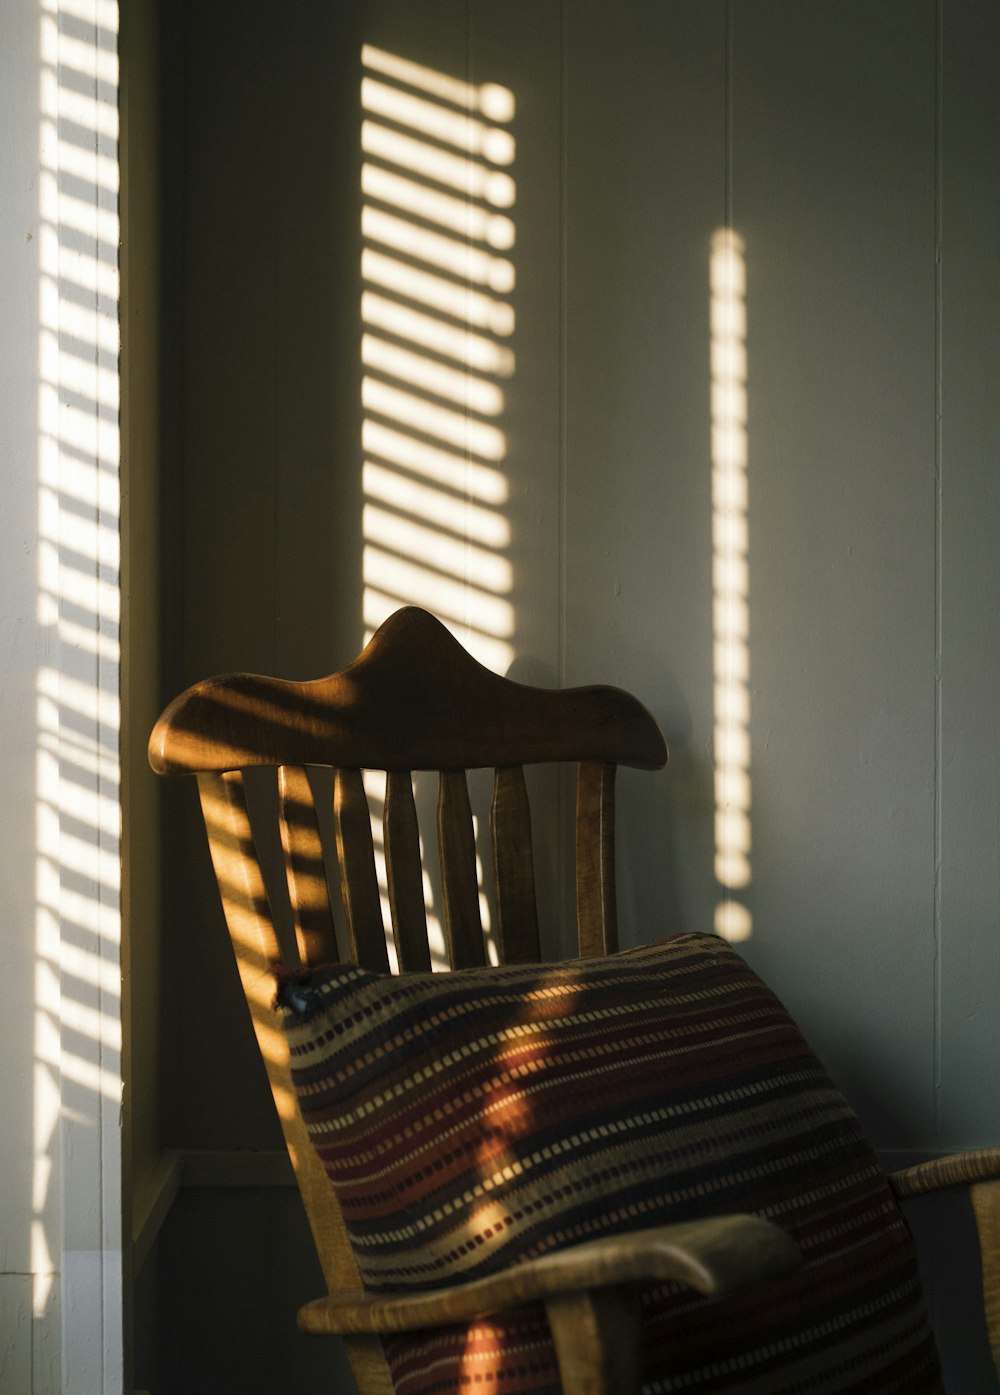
(241, 885)
(404, 873)
(596, 909)
(305, 869)
(358, 882)
(513, 867)
(986, 1208)
(463, 926)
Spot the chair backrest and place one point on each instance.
(414, 700)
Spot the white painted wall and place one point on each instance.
(25, 649)
(60, 1206)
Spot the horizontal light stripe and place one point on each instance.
(493, 101)
(466, 133)
(470, 220)
(416, 585)
(472, 178)
(454, 428)
(474, 350)
(459, 259)
(432, 548)
(446, 297)
(435, 506)
(417, 370)
(455, 471)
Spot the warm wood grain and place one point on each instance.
(714, 1256)
(404, 872)
(413, 700)
(463, 926)
(986, 1207)
(305, 868)
(979, 1169)
(255, 944)
(596, 908)
(598, 1340)
(958, 1169)
(358, 880)
(513, 867)
(241, 886)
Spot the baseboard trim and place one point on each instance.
(153, 1199)
(198, 1167)
(236, 1168)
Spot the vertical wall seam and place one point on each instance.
(467, 65)
(563, 310)
(173, 488)
(564, 866)
(938, 541)
(114, 739)
(467, 406)
(102, 733)
(728, 172)
(276, 598)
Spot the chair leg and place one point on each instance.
(986, 1205)
(597, 1337)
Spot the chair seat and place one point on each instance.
(474, 1120)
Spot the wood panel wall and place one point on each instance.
(854, 149)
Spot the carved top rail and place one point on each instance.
(413, 700)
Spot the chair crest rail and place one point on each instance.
(413, 700)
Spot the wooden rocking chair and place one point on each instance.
(415, 701)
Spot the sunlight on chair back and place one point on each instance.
(413, 701)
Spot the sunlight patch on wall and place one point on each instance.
(436, 348)
(436, 268)
(76, 1227)
(730, 583)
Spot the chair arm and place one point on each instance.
(713, 1256)
(977, 1165)
(979, 1169)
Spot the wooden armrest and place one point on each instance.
(960, 1169)
(979, 1170)
(713, 1256)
